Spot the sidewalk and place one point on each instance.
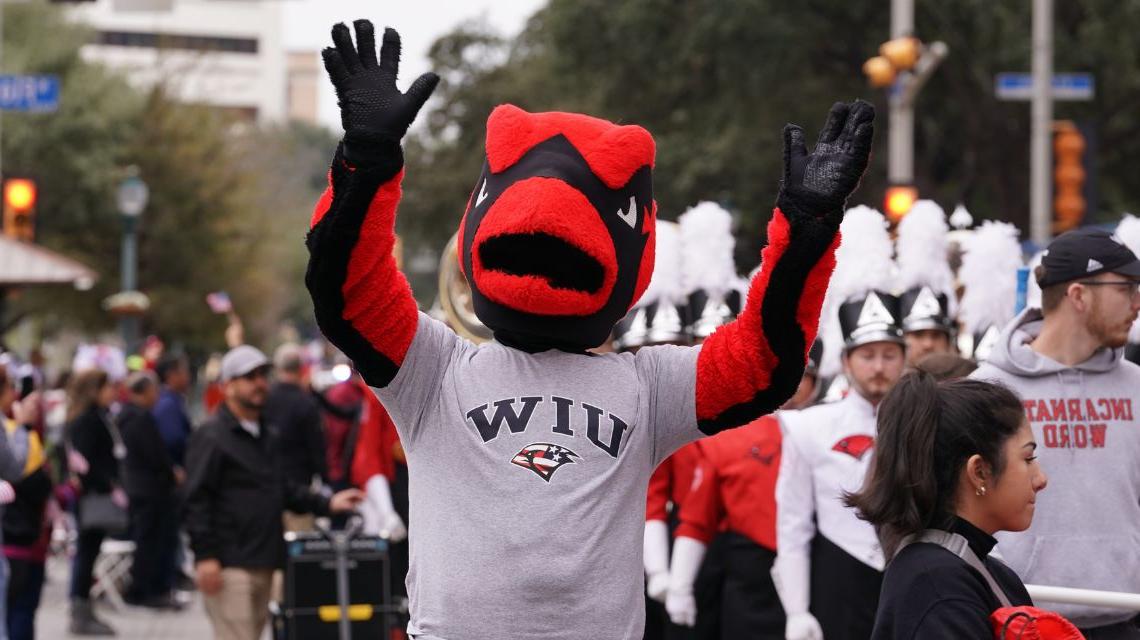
(131, 623)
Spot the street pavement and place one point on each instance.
(131, 623)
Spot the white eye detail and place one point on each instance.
(629, 217)
(482, 194)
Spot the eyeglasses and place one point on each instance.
(1133, 284)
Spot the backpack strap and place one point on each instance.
(957, 545)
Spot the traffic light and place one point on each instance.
(20, 209)
(1068, 176)
(898, 201)
(879, 71)
(902, 53)
(895, 56)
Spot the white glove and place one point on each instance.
(802, 626)
(655, 550)
(657, 586)
(383, 521)
(7, 492)
(682, 608)
(679, 603)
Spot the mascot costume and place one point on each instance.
(528, 456)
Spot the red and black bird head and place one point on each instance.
(557, 240)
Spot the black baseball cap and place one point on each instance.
(1086, 252)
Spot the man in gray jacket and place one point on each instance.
(1066, 362)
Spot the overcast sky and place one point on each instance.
(420, 22)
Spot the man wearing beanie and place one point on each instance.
(1066, 361)
(235, 495)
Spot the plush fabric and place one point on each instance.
(752, 365)
(557, 238)
(526, 212)
(363, 303)
(613, 152)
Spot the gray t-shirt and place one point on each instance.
(527, 477)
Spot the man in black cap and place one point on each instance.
(235, 496)
(1066, 362)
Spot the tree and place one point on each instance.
(229, 201)
(715, 82)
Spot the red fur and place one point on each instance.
(811, 300)
(614, 152)
(737, 356)
(648, 256)
(378, 302)
(324, 203)
(550, 206)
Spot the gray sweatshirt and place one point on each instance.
(527, 477)
(1086, 421)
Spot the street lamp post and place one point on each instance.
(132, 198)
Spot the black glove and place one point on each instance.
(817, 185)
(372, 110)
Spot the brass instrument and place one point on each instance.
(455, 296)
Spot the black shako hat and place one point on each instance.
(922, 309)
(871, 318)
(1084, 253)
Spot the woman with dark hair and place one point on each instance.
(97, 448)
(955, 463)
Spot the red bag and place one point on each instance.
(1031, 623)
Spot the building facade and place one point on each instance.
(227, 54)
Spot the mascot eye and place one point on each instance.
(482, 194)
(629, 217)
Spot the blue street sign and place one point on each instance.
(1066, 86)
(29, 93)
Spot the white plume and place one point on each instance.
(706, 249)
(666, 281)
(989, 273)
(862, 263)
(922, 251)
(1128, 232)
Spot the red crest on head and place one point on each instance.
(613, 152)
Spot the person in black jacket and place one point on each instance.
(150, 483)
(94, 441)
(292, 413)
(235, 496)
(954, 457)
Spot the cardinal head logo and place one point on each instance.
(544, 458)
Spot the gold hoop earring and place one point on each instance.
(981, 490)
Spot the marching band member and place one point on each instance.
(829, 566)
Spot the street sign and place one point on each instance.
(29, 93)
(1066, 86)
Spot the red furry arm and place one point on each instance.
(752, 365)
(363, 303)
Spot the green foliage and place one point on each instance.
(716, 81)
(226, 199)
